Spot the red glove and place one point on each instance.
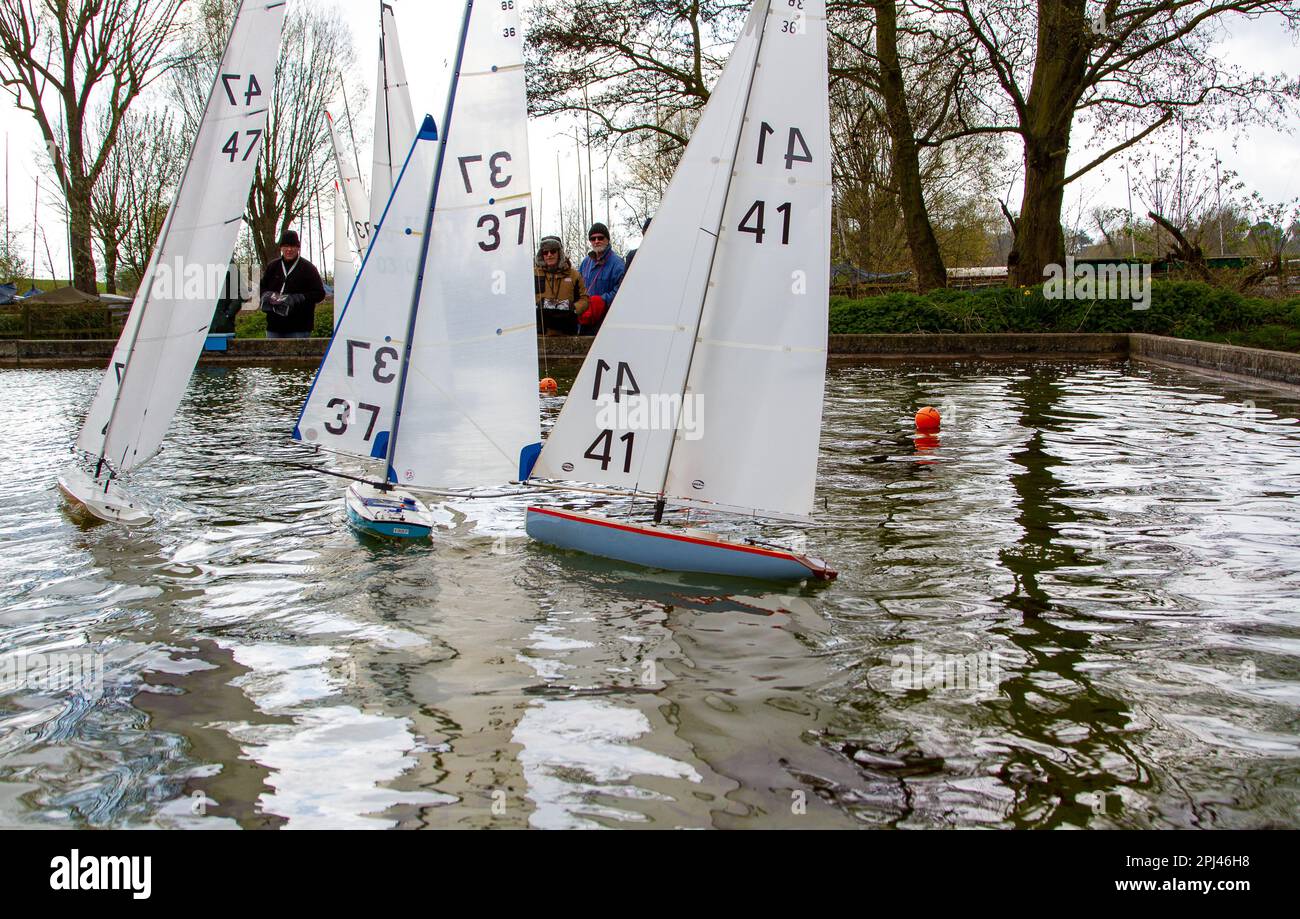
(595, 310)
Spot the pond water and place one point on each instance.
(1079, 605)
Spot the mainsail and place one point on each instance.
(470, 404)
(169, 319)
(724, 312)
(356, 204)
(394, 121)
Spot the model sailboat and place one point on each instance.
(394, 118)
(704, 386)
(169, 320)
(433, 367)
(345, 259)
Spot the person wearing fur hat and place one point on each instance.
(290, 289)
(602, 271)
(561, 295)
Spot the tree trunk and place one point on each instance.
(1059, 72)
(110, 266)
(927, 261)
(79, 189)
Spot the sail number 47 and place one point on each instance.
(250, 91)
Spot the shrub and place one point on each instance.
(1184, 309)
(253, 324)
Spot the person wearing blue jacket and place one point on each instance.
(602, 273)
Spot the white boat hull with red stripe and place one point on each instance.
(669, 548)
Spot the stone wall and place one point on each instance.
(1278, 368)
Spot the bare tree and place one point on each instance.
(295, 161)
(1126, 68)
(641, 63)
(56, 58)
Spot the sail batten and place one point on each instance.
(166, 327)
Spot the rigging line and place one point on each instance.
(713, 255)
(155, 259)
(424, 491)
(336, 474)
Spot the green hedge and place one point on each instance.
(253, 325)
(1183, 309)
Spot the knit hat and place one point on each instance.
(289, 238)
(599, 228)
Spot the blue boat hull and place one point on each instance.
(668, 549)
(387, 514)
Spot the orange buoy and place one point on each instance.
(927, 420)
(548, 386)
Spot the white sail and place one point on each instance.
(356, 203)
(345, 260)
(350, 406)
(470, 405)
(395, 126)
(734, 332)
(759, 368)
(173, 308)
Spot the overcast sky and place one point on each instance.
(1268, 159)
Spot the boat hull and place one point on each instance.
(394, 514)
(113, 504)
(669, 548)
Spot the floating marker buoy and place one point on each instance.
(548, 386)
(927, 420)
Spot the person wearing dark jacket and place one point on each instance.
(627, 262)
(290, 289)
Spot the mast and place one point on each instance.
(388, 114)
(147, 280)
(424, 248)
(661, 501)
